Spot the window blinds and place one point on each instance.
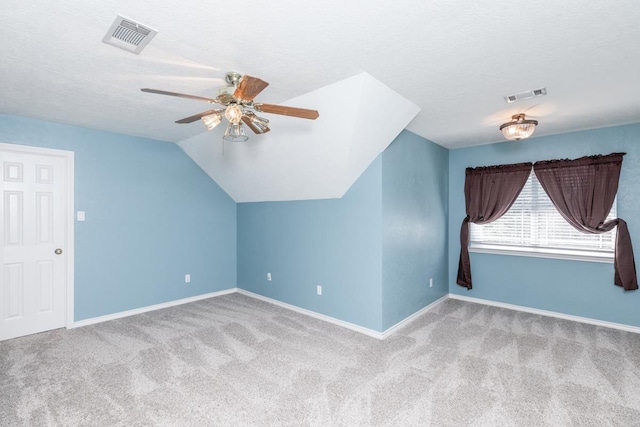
(533, 222)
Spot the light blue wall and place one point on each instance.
(415, 181)
(152, 215)
(335, 243)
(572, 287)
(373, 251)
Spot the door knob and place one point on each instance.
(58, 251)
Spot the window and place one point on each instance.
(534, 227)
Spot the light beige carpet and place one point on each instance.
(237, 361)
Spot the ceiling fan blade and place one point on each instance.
(249, 87)
(253, 127)
(287, 111)
(196, 117)
(180, 95)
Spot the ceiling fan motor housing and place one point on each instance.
(233, 78)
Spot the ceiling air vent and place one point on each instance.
(128, 35)
(525, 95)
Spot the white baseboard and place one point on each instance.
(141, 310)
(411, 318)
(596, 322)
(342, 323)
(329, 319)
(352, 326)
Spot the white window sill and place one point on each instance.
(575, 255)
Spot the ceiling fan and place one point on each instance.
(237, 98)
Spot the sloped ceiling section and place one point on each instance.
(304, 159)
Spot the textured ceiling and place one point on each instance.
(453, 59)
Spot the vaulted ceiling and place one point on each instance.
(317, 159)
(454, 60)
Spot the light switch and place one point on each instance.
(80, 215)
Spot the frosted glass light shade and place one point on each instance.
(212, 120)
(518, 128)
(235, 133)
(260, 124)
(233, 113)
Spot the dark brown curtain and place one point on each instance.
(583, 191)
(489, 192)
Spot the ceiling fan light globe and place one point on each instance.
(259, 122)
(212, 120)
(262, 127)
(233, 113)
(235, 133)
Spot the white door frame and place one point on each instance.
(69, 157)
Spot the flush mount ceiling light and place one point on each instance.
(518, 128)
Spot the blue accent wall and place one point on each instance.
(152, 216)
(373, 251)
(573, 287)
(415, 178)
(336, 243)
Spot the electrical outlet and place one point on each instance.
(269, 277)
(431, 282)
(319, 290)
(187, 278)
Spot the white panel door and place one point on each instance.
(33, 233)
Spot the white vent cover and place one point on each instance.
(128, 35)
(525, 95)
